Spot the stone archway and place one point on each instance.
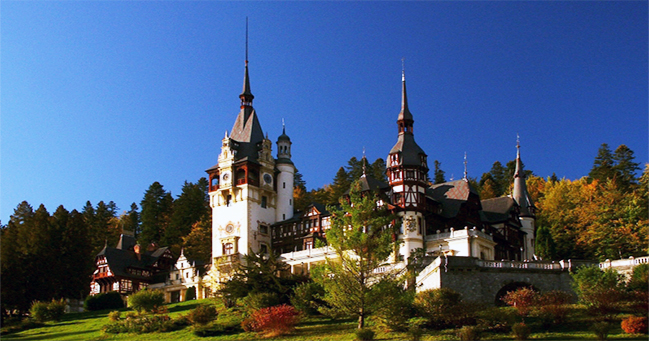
(511, 286)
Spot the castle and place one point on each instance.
(251, 196)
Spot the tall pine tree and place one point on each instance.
(157, 207)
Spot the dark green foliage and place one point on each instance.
(258, 274)
(394, 312)
(157, 207)
(603, 165)
(190, 294)
(469, 333)
(108, 300)
(189, 208)
(625, 168)
(259, 300)
(600, 291)
(47, 311)
(521, 331)
(307, 298)
(202, 315)
(498, 320)
(443, 307)
(146, 300)
(364, 334)
(45, 256)
(439, 173)
(141, 324)
(639, 278)
(361, 234)
(545, 246)
(601, 330)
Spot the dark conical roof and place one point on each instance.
(283, 137)
(405, 112)
(519, 193)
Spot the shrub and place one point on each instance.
(396, 306)
(601, 330)
(495, 319)
(364, 334)
(256, 301)
(216, 328)
(415, 330)
(140, 324)
(114, 316)
(190, 294)
(523, 299)
(44, 311)
(554, 306)
(601, 291)
(521, 331)
(146, 300)
(203, 314)
(108, 300)
(441, 307)
(469, 333)
(635, 325)
(275, 321)
(307, 297)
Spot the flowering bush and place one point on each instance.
(635, 325)
(273, 321)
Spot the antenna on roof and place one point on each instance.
(246, 40)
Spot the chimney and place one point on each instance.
(136, 248)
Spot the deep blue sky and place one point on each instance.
(101, 99)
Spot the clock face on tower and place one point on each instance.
(268, 179)
(229, 228)
(225, 176)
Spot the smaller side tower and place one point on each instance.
(527, 208)
(407, 171)
(285, 177)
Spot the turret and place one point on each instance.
(285, 177)
(526, 205)
(407, 171)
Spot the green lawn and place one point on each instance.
(87, 326)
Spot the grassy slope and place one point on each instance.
(87, 326)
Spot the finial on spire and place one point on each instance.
(403, 69)
(518, 146)
(246, 40)
(283, 127)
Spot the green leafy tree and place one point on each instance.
(198, 243)
(545, 246)
(157, 207)
(378, 170)
(362, 236)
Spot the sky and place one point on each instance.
(98, 100)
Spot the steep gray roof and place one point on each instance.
(451, 195)
(497, 210)
(519, 193)
(409, 150)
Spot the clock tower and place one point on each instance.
(242, 189)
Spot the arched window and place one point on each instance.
(228, 248)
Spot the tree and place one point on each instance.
(378, 170)
(603, 165)
(545, 247)
(439, 173)
(340, 184)
(362, 235)
(190, 206)
(624, 166)
(197, 244)
(157, 207)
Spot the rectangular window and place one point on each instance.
(263, 229)
(264, 201)
(284, 185)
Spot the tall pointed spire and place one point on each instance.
(246, 95)
(404, 120)
(519, 193)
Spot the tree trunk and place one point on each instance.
(361, 318)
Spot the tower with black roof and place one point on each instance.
(407, 172)
(527, 214)
(242, 189)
